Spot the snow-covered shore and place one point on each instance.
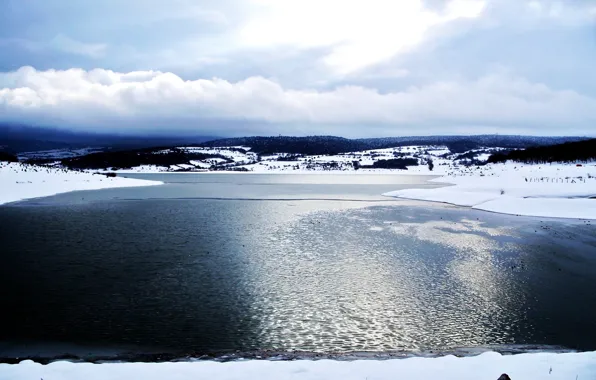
(150, 170)
(557, 190)
(21, 181)
(487, 366)
(551, 190)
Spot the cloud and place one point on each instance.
(361, 33)
(369, 67)
(139, 100)
(333, 40)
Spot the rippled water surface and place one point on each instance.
(234, 262)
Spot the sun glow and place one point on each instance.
(358, 33)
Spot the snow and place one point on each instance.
(487, 366)
(239, 157)
(21, 181)
(238, 154)
(556, 190)
(343, 162)
(545, 207)
(186, 166)
(137, 169)
(200, 164)
(483, 157)
(215, 160)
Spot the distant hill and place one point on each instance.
(325, 145)
(8, 157)
(294, 145)
(16, 138)
(49, 145)
(580, 151)
(230, 154)
(461, 144)
(131, 158)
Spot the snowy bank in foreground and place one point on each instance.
(488, 366)
(20, 181)
(558, 190)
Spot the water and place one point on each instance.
(223, 263)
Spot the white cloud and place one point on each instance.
(361, 33)
(89, 99)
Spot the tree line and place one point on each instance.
(571, 152)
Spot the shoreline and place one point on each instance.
(126, 356)
(21, 182)
(293, 172)
(507, 192)
(487, 365)
(545, 191)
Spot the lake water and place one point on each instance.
(216, 263)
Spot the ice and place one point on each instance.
(21, 181)
(547, 190)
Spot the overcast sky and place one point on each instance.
(356, 68)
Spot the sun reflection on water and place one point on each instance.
(334, 285)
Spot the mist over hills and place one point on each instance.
(16, 138)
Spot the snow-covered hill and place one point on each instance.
(239, 158)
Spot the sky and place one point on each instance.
(354, 68)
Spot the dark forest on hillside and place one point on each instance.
(132, 158)
(329, 145)
(396, 163)
(117, 158)
(8, 157)
(581, 151)
(312, 145)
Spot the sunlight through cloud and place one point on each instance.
(358, 33)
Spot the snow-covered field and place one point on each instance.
(344, 162)
(241, 158)
(551, 190)
(487, 366)
(21, 181)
